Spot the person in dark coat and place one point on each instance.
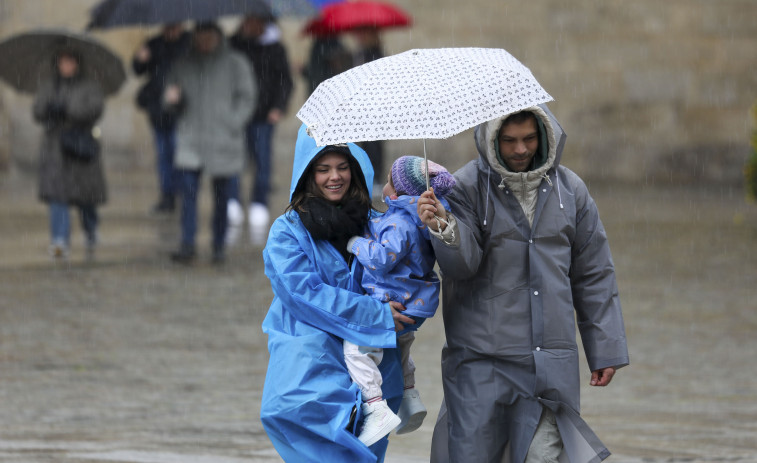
(154, 59)
(328, 57)
(69, 101)
(370, 49)
(258, 38)
(524, 256)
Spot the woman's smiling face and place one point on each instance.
(332, 176)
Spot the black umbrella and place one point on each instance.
(120, 13)
(27, 59)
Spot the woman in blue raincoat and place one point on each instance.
(310, 407)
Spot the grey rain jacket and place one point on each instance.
(512, 294)
(219, 96)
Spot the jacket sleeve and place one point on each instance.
(245, 92)
(283, 85)
(595, 290)
(41, 99)
(461, 259)
(382, 255)
(141, 67)
(309, 298)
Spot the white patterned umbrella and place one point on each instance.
(421, 93)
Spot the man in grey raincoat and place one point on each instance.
(523, 257)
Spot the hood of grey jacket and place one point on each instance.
(486, 135)
(523, 185)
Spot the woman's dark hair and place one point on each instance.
(306, 187)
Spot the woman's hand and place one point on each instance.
(399, 320)
(430, 209)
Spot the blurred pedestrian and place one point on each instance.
(154, 59)
(399, 266)
(212, 93)
(370, 49)
(259, 39)
(68, 105)
(524, 256)
(328, 57)
(310, 408)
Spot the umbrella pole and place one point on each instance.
(425, 159)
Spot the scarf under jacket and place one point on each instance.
(336, 223)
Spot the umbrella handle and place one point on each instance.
(425, 159)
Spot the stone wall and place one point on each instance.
(646, 90)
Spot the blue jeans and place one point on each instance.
(165, 147)
(190, 188)
(60, 223)
(259, 141)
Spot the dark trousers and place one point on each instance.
(190, 187)
(165, 148)
(259, 146)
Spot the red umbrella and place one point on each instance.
(346, 16)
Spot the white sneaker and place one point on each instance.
(58, 250)
(378, 421)
(411, 412)
(259, 217)
(234, 213)
(233, 232)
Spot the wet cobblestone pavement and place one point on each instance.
(133, 359)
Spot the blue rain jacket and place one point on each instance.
(308, 395)
(399, 259)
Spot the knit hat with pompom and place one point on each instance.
(409, 177)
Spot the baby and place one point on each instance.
(399, 266)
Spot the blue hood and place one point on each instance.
(305, 150)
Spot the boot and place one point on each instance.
(411, 412)
(185, 255)
(165, 205)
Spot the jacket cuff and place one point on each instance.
(351, 242)
(450, 236)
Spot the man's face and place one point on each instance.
(206, 41)
(518, 143)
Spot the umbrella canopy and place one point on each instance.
(120, 13)
(346, 16)
(422, 93)
(27, 59)
(298, 8)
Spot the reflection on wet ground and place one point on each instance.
(132, 359)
